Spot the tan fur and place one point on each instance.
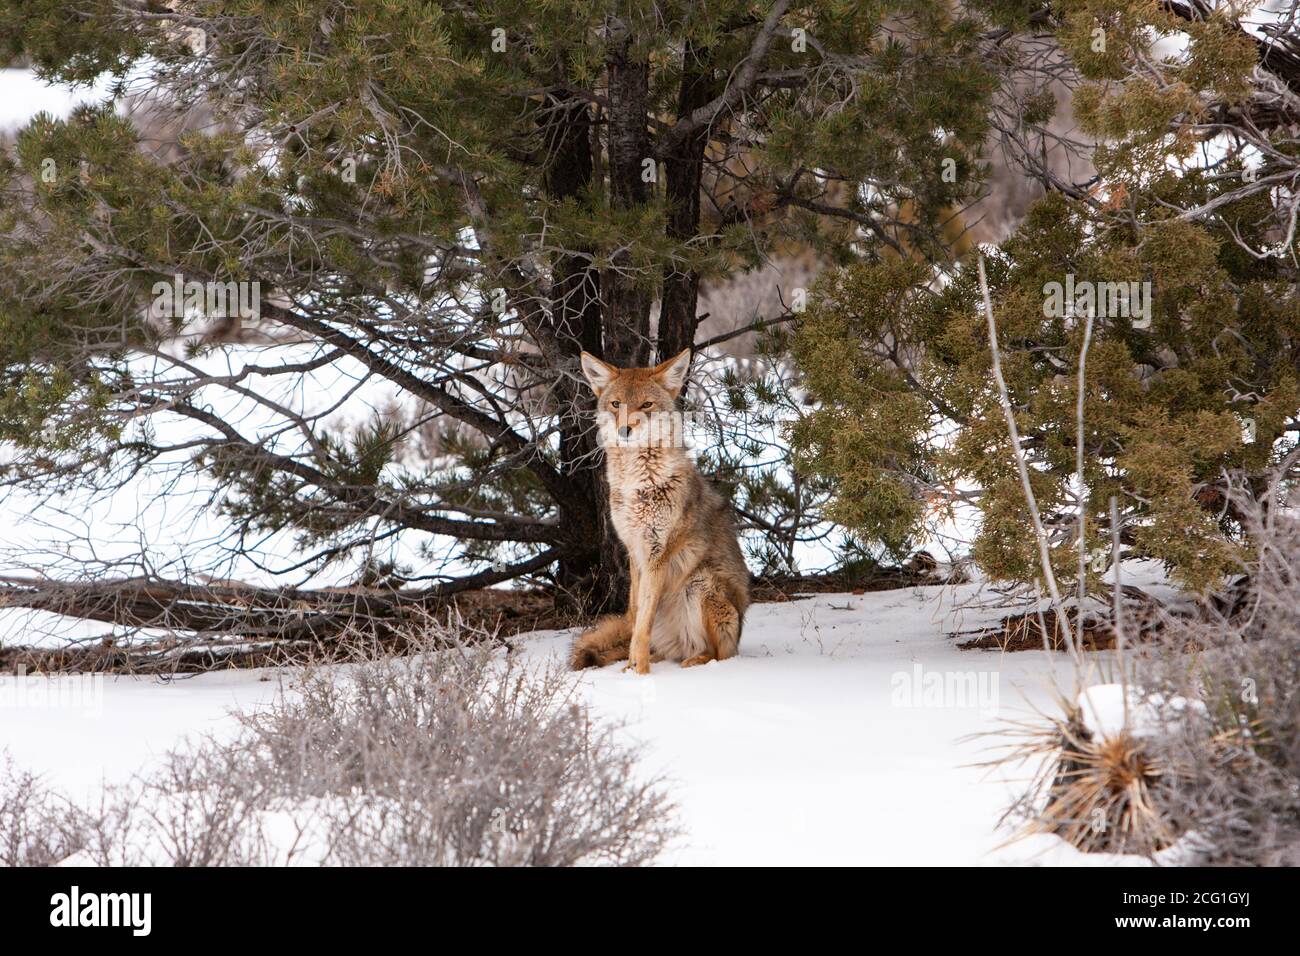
(689, 583)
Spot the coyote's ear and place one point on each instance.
(599, 374)
(672, 374)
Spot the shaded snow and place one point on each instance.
(842, 734)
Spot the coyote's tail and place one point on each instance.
(605, 643)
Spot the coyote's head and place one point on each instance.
(637, 407)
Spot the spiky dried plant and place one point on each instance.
(1098, 791)
(1103, 796)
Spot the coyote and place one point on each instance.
(690, 585)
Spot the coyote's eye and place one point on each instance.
(645, 405)
(613, 404)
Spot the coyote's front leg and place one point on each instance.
(649, 586)
(633, 574)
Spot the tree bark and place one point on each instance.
(593, 573)
(683, 172)
(627, 296)
(243, 611)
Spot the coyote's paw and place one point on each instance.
(639, 663)
(697, 660)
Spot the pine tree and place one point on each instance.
(1179, 259)
(452, 198)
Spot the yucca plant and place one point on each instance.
(1098, 788)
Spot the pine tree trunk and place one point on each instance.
(683, 171)
(609, 314)
(593, 574)
(627, 297)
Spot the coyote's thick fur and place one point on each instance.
(690, 586)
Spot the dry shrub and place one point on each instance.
(1234, 766)
(1213, 763)
(461, 759)
(456, 757)
(36, 825)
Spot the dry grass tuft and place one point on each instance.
(1104, 796)
(1098, 792)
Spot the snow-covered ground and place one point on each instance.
(845, 733)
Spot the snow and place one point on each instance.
(1108, 709)
(80, 730)
(22, 96)
(846, 732)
